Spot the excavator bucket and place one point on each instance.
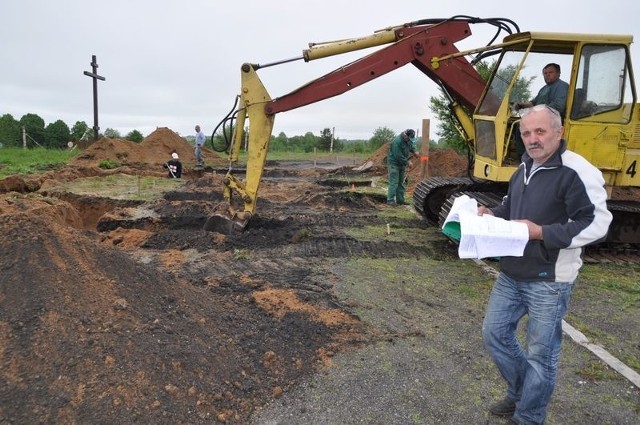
(227, 220)
(224, 224)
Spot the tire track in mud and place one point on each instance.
(331, 247)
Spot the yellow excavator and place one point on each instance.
(601, 121)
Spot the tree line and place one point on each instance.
(325, 142)
(55, 135)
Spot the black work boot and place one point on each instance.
(504, 408)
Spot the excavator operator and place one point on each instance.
(553, 93)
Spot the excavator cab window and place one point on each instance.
(500, 84)
(524, 68)
(603, 90)
(517, 78)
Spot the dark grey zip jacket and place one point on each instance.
(566, 196)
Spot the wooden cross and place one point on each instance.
(96, 77)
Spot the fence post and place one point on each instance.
(424, 149)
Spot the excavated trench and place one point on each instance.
(91, 208)
(299, 234)
(296, 232)
(313, 225)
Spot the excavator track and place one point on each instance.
(621, 246)
(625, 228)
(430, 195)
(434, 197)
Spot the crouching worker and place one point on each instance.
(174, 166)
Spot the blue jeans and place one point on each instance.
(395, 192)
(530, 373)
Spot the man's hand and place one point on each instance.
(482, 210)
(522, 105)
(535, 230)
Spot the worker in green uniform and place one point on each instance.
(401, 149)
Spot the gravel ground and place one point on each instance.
(427, 364)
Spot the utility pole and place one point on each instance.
(96, 77)
(25, 135)
(424, 149)
(333, 134)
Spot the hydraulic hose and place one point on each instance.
(226, 138)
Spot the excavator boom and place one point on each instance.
(423, 46)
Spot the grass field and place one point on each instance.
(28, 161)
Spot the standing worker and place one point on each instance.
(401, 149)
(561, 198)
(200, 139)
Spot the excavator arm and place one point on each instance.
(429, 47)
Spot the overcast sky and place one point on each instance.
(177, 63)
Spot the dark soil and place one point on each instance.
(107, 316)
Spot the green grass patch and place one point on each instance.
(605, 307)
(29, 161)
(597, 370)
(429, 291)
(310, 156)
(241, 254)
(122, 186)
(616, 284)
(391, 231)
(109, 164)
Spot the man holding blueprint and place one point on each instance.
(561, 199)
(483, 236)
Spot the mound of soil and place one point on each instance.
(155, 321)
(132, 312)
(442, 162)
(155, 149)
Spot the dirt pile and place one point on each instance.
(155, 149)
(441, 162)
(145, 158)
(168, 325)
(159, 145)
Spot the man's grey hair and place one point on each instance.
(556, 120)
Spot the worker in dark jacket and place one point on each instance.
(174, 166)
(553, 93)
(561, 198)
(401, 149)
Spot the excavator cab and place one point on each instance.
(598, 118)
